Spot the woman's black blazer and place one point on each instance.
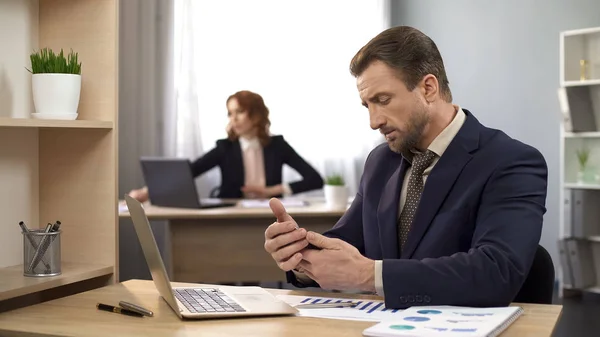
(228, 156)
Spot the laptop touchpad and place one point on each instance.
(245, 298)
(252, 294)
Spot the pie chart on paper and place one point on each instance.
(416, 319)
(402, 327)
(429, 312)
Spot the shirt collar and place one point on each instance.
(247, 143)
(443, 140)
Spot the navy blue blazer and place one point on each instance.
(476, 229)
(228, 156)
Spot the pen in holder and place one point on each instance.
(41, 252)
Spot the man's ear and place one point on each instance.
(430, 88)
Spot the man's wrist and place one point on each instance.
(367, 276)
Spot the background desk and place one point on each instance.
(220, 245)
(77, 316)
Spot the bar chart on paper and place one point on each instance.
(363, 310)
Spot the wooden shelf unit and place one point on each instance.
(59, 169)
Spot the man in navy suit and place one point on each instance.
(448, 212)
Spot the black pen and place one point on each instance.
(23, 227)
(56, 226)
(117, 310)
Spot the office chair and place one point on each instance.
(539, 284)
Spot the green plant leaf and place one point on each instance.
(335, 180)
(46, 61)
(583, 156)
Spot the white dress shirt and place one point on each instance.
(254, 164)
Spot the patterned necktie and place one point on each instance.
(420, 162)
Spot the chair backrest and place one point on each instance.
(539, 284)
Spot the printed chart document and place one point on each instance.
(364, 310)
(447, 321)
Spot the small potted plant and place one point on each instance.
(583, 156)
(336, 193)
(56, 84)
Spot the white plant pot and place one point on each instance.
(56, 96)
(336, 196)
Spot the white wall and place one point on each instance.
(502, 62)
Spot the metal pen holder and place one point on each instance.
(41, 253)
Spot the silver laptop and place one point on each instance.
(201, 302)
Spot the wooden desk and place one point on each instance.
(226, 244)
(77, 316)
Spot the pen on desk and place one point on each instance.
(136, 308)
(110, 308)
(325, 305)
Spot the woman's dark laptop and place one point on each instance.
(171, 184)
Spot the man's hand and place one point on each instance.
(283, 239)
(338, 265)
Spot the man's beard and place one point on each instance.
(414, 132)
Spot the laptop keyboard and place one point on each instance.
(208, 300)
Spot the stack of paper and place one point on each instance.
(447, 321)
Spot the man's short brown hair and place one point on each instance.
(407, 50)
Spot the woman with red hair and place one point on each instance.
(251, 159)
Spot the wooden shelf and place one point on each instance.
(49, 123)
(581, 83)
(14, 284)
(582, 186)
(595, 134)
